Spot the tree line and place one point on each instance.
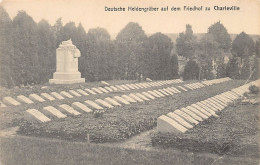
(28, 51)
(215, 55)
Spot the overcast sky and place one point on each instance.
(91, 14)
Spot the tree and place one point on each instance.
(58, 32)
(26, 60)
(6, 49)
(186, 43)
(158, 60)
(191, 70)
(221, 70)
(245, 70)
(232, 69)
(174, 66)
(243, 46)
(129, 47)
(220, 35)
(100, 55)
(46, 51)
(257, 48)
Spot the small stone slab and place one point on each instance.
(47, 96)
(80, 106)
(69, 109)
(38, 115)
(135, 86)
(93, 104)
(121, 100)
(57, 95)
(129, 86)
(105, 83)
(206, 106)
(109, 89)
(201, 109)
(2, 105)
(135, 97)
(179, 120)
(90, 91)
(193, 115)
(219, 101)
(10, 101)
(24, 99)
(114, 88)
(82, 92)
(129, 99)
(176, 90)
(97, 90)
(112, 101)
(36, 97)
(153, 93)
(142, 96)
(55, 112)
(197, 112)
(186, 116)
(66, 94)
(168, 91)
(167, 125)
(217, 106)
(148, 95)
(125, 87)
(183, 88)
(139, 86)
(104, 103)
(74, 93)
(119, 87)
(103, 90)
(163, 92)
(158, 93)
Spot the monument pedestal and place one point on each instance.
(66, 78)
(67, 65)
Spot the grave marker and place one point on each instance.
(93, 104)
(142, 96)
(66, 94)
(193, 115)
(80, 106)
(197, 112)
(186, 116)
(90, 91)
(97, 90)
(38, 115)
(112, 101)
(103, 89)
(74, 93)
(47, 96)
(135, 97)
(148, 95)
(69, 109)
(36, 97)
(153, 93)
(203, 110)
(168, 125)
(57, 95)
(24, 99)
(179, 120)
(104, 103)
(127, 98)
(120, 99)
(82, 92)
(55, 112)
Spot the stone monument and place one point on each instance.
(67, 72)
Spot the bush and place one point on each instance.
(253, 89)
(191, 71)
(98, 113)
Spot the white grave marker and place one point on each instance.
(66, 94)
(69, 109)
(80, 106)
(38, 115)
(57, 95)
(55, 112)
(24, 99)
(104, 103)
(47, 96)
(36, 97)
(168, 125)
(93, 104)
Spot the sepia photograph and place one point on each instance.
(129, 82)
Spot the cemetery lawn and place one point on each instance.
(120, 123)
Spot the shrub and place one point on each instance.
(191, 71)
(253, 89)
(98, 113)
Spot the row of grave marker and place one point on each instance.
(79, 92)
(108, 102)
(181, 120)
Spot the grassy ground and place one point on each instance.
(38, 151)
(122, 122)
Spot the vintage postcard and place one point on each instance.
(113, 82)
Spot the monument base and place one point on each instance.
(66, 78)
